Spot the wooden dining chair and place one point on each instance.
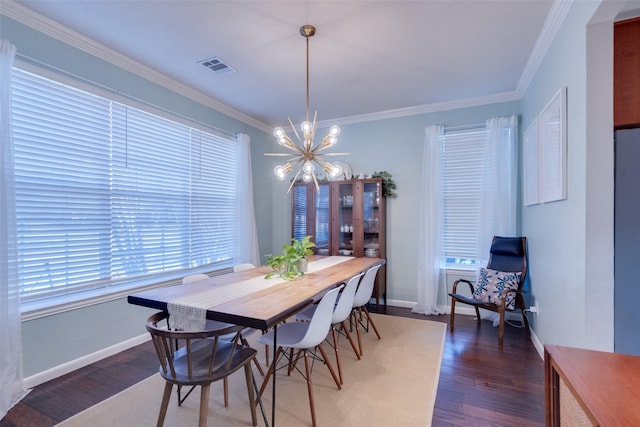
(212, 324)
(199, 359)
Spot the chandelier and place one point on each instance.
(305, 154)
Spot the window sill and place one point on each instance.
(466, 271)
(59, 304)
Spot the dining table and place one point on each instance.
(248, 298)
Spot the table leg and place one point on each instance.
(273, 392)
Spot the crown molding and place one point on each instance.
(53, 29)
(424, 109)
(26, 16)
(555, 18)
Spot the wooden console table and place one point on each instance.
(591, 388)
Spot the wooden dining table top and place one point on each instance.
(263, 308)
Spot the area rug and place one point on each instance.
(394, 383)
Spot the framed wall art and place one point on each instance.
(552, 133)
(545, 153)
(531, 193)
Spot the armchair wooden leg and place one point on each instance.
(501, 329)
(452, 315)
(525, 321)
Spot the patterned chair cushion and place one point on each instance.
(491, 285)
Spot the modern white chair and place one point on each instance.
(362, 298)
(305, 337)
(341, 313)
(194, 278)
(243, 266)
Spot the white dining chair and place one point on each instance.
(341, 313)
(362, 298)
(194, 277)
(305, 337)
(243, 266)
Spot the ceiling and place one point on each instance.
(367, 57)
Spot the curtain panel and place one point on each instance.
(11, 386)
(430, 223)
(246, 246)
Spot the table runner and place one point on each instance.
(189, 313)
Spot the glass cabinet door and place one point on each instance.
(346, 218)
(323, 219)
(371, 219)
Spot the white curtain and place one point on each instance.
(246, 248)
(11, 387)
(430, 223)
(498, 203)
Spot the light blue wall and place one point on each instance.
(394, 145)
(570, 241)
(60, 338)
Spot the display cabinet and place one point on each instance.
(343, 218)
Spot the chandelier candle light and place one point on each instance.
(305, 153)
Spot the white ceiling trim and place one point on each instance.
(557, 14)
(38, 22)
(425, 109)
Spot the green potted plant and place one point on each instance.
(388, 185)
(291, 264)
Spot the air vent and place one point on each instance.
(218, 66)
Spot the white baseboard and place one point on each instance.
(447, 309)
(537, 344)
(65, 368)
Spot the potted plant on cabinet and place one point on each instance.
(291, 264)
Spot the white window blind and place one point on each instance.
(323, 217)
(462, 177)
(107, 194)
(299, 207)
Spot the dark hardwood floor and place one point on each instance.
(479, 384)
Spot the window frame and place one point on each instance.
(73, 299)
(461, 136)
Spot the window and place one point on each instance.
(109, 196)
(462, 180)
